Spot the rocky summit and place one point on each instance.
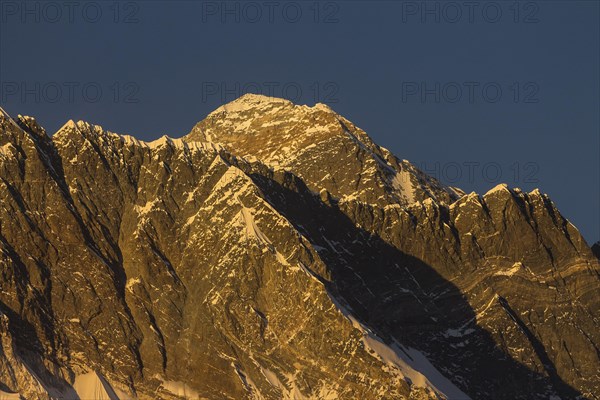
(277, 252)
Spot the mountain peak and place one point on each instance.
(322, 147)
(70, 124)
(501, 187)
(251, 101)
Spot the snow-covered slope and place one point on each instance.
(93, 386)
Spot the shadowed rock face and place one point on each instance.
(277, 252)
(596, 249)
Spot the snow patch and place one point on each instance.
(252, 230)
(510, 272)
(401, 182)
(323, 107)
(9, 396)
(412, 364)
(249, 101)
(178, 388)
(142, 210)
(93, 386)
(293, 393)
(131, 282)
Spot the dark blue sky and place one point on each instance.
(474, 94)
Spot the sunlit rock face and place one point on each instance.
(324, 149)
(277, 252)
